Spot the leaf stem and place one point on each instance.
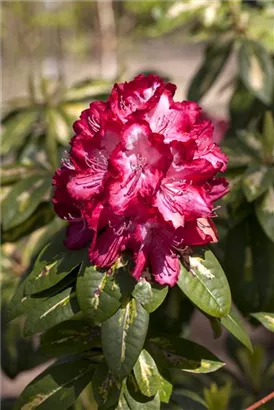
(261, 402)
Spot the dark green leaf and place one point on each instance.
(98, 293)
(265, 213)
(23, 199)
(266, 319)
(235, 325)
(146, 374)
(42, 216)
(53, 264)
(17, 353)
(205, 284)
(151, 295)
(123, 337)
(58, 387)
(106, 388)
(71, 336)
(153, 404)
(216, 56)
(256, 180)
(52, 311)
(243, 106)
(256, 70)
(175, 352)
(189, 400)
(16, 130)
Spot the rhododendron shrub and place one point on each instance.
(136, 195)
(142, 176)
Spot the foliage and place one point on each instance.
(122, 344)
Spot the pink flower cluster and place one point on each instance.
(141, 176)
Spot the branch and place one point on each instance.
(261, 402)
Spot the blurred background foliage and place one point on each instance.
(41, 100)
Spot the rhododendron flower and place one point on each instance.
(141, 176)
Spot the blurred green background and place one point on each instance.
(58, 56)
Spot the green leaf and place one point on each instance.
(52, 311)
(151, 295)
(16, 130)
(256, 70)
(17, 353)
(256, 180)
(71, 336)
(23, 199)
(243, 106)
(237, 152)
(266, 319)
(216, 56)
(165, 389)
(205, 284)
(58, 387)
(268, 134)
(98, 293)
(51, 141)
(235, 325)
(189, 400)
(265, 212)
(53, 264)
(106, 388)
(59, 126)
(178, 353)
(42, 216)
(146, 374)
(11, 173)
(153, 404)
(123, 337)
(87, 89)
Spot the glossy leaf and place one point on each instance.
(23, 199)
(165, 389)
(175, 352)
(216, 56)
(146, 374)
(71, 336)
(98, 293)
(256, 180)
(57, 387)
(205, 284)
(265, 213)
(133, 404)
(266, 319)
(256, 70)
(16, 130)
(151, 295)
(51, 312)
(123, 337)
(106, 388)
(53, 264)
(235, 325)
